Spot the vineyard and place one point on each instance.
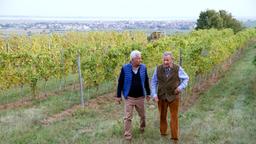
(28, 60)
(45, 67)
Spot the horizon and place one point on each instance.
(95, 18)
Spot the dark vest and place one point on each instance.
(167, 85)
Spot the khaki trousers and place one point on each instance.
(130, 104)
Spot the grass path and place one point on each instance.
(226, 113)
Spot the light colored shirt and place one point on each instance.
(182, 76)
(135, 70)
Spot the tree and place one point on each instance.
(219, 20)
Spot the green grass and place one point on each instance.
(21, 125)
(226, 113)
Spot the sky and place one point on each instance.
(130, 9)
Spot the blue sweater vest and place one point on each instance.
(128, 78)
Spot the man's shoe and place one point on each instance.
(164, 135)
(174, 140)
(128, 141)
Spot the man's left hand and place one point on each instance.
(177, 91)
(148, 98)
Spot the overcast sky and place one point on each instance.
(125, 8)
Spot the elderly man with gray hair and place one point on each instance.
(167, 83)
(133, 83)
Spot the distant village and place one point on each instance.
(48, 27)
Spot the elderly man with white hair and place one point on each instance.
(133, 83)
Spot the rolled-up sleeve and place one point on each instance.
(154, 83)
(184, 78)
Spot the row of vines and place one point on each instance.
(27, 60)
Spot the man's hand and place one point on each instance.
(177, 91)
(148, 98)
(118, 100)
(156, 99)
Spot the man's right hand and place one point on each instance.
(118, 100)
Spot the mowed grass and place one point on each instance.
(225, 114)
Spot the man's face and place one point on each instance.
(137, 60)
(167, 61)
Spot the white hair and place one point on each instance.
(167, 53)
(135, 53)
